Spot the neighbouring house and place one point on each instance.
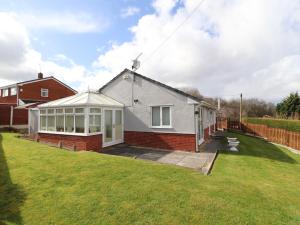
(131, 109)
(16, 99)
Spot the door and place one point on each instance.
(113, 127)
(200, 127)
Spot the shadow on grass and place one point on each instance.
(11, 195)
(257, 147)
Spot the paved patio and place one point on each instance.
(202, 161)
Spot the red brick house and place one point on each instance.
(15, 99)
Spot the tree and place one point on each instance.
(192, 91)
(289, 107)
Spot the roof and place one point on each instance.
(207, 105)
(158, 83)
(28, 105)
(83, 99)
(38, 80)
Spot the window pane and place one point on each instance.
(43, 123)
(95, 123)
(59, 111)
(43, 111)
(60, 120)
(51, 123)
(95, 110)
(108, 125)
(166, 116)
(13, 91)
(79, 124)
(69, 123)
(44, 92)
(5, 92)
(50, 111)
(79, 110)
(156, 116)
(69, 110)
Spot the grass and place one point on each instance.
(291, 125)
(44, 185)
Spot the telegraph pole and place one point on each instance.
(241, 101)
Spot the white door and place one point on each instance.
(200, 127)
(113, 127)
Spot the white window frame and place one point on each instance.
(89, 113)
(15, 91)
(85, 113)
(43, 91)
(160, 111)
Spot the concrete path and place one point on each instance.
(202, 161)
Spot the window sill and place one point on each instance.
(67, 133)
(161, 127)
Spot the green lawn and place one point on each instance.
(45, 185)
(291, 125)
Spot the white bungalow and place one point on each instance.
(133, 109)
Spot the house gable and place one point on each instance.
(140, 94)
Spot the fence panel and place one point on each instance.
(276, 135)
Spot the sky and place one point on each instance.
(224, 48)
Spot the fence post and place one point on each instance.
(11, 116)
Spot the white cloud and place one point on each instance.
(66, 22)
(129, 11)
(19, 61)
(226, 47)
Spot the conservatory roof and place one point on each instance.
(83, 99)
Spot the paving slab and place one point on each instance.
(201, 161)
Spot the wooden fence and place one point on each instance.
(10, 116)
(276, 135)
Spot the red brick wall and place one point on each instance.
(88, 143)
(32, 91)
(8, 99)
(169, 141)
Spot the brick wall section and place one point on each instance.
(8, 99)
(87, 143)
(32, 91)
(168, 141)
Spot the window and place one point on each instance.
(43, 123)
(71, 120)
(13, 91)
(4, 92)
(79, 120)
(95, 120)
(69, 126)
(44, 92)
(69, 123)
(161, 116)
(60, 120)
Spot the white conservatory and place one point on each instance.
(88, 120)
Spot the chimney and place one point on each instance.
(40, 75)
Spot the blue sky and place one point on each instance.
(225, 48)
(83, 48)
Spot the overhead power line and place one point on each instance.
(173, 32)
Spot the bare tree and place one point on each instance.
(192, 91)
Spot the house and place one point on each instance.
(131, 109)
(15, 99)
